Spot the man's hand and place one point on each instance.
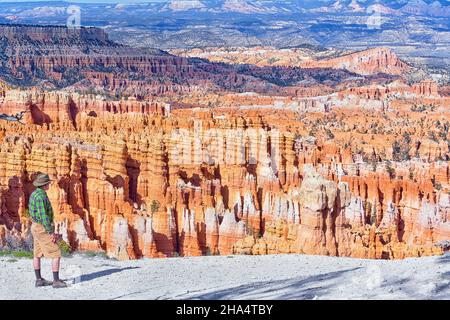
(56, 237)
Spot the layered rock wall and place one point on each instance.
(139, 185)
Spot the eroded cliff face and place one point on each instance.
(365, 62)
(85, 60)
(62, 107)
(152, 184)
(376, 60)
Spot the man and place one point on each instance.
(43, 231)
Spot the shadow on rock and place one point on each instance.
(301, 288)
(445, 258)
(104, 273)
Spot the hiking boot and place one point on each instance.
(42, 283)
(59, 284)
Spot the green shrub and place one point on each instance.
(22, 254)
(26, 213)
(16, 253)
(154, 206)
(65, 248)
(93, 254)
(390, 170)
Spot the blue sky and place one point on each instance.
(87, 1)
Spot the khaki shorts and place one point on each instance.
(43, 244)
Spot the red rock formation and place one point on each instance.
(63, 107)
(376, 60)
(365, 62)
(84, 60)
(220, 192)
(426, 88)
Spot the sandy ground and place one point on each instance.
(233, 277)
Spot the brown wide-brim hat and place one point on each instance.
(41, 180)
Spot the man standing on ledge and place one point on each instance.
(43, 231)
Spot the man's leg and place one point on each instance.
(37, 255)
(55, 268)
(40, 282)
(37, 267)
(57, 283)
(49, 249)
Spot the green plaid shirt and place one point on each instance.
(41, 210)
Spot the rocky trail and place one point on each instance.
(233, 277)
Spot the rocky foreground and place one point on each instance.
(234, 277)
